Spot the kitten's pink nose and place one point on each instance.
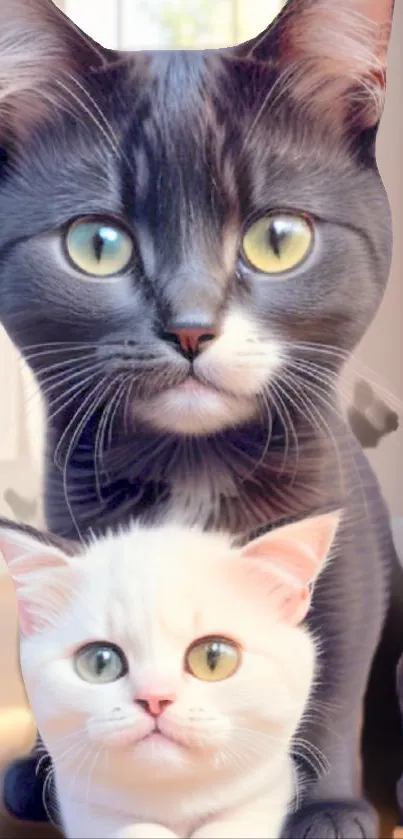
(155, 703)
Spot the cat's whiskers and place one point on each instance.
(73, 393)
(77, 423)
(275, 393)
(355, 364)
(91, 772)
(48, 789)
(34, 351)
(331, 382)
(47, 371)
(53, 382)
(68, 754)
(70, 431)
(98, 457)
(305, 387)
(299, 392)
(85, 753)
(127, 417)
(119, 397)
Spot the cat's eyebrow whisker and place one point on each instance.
(113, 145)
(117, 144)
(268, 100)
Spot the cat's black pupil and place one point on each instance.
(102, 659)
(213, 655)
(98, 244)
(276, 235)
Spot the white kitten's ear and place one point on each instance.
(41, 574)
(285, 562)
(333, 54)
(39, 48)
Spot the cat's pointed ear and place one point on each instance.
(285, 562)
(39, 48)
(332, 54)
(41, 573)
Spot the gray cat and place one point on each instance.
(191, 246)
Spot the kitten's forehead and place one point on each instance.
(157, 580)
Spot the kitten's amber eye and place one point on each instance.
(98, 247)
(278, 243)
(100, 663)
(213, 659)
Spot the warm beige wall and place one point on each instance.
(382, 349)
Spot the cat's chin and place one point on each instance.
(154, 748)
(194, 409)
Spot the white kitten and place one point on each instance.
(168, 673)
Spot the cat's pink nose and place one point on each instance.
(155, 703)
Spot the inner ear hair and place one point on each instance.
(41, 51)
(332, 57)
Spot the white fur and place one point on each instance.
(234, 371)
(153, 592)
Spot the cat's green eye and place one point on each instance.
(98, 247)
(213, 659)
(278, 243)
(100, 663)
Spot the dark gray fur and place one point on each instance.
(200, 145)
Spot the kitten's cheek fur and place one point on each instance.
(194, 413)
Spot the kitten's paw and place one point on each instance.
(145, 831)
(333, 820)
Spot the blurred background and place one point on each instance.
(373, 383)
